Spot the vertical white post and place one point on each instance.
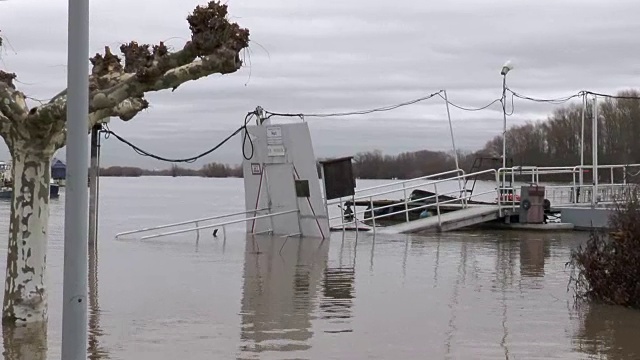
(584, 111)
(504, 128)
(406, 204)
(453, 141)
(93, 186)
(74, 292)
(594, 137)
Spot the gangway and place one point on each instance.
(442, 211)
(472, 215)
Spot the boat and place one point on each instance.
(6, 183)
(6, 192)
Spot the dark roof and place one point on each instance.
(57, 163)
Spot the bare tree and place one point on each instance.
(115, 90)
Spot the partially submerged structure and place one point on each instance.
(283, 195)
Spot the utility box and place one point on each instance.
(531, 204)
(338, 178)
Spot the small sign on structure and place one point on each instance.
(274, 135)
(256, 169)
(275, 150)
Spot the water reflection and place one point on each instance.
(95, 350)
(281, 278)
(608, 332)
(25, 342)
(338, 292)
(30, 342)
(534, 251)
(504, 278)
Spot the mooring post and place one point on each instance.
(93, 185)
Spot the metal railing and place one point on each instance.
(197, 222)
(507, 197)
(577, 192)
(222, 225)
(372, 212)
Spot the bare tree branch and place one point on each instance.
(126, 111)
(214, 48)
(5, 125)
(12, 102)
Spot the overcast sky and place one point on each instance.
(340, 55)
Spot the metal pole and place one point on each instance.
(453, 141)
(504, 128)
(93, 187)
(98, 187)
(594, 138)
(584, 110)
(74, 292)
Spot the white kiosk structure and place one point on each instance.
(281, 182)
(282, 188)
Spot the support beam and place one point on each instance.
(93, 185)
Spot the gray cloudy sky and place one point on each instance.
(340, 55)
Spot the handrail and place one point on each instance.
(426, 206)
(435, 196)
(426, 177)
(432, 182)
(187, 222)
(222, 224)
(373, 217)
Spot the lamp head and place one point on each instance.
(506, 68)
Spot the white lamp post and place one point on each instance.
(76, 217)
(505, 70)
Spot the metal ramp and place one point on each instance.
(458, 219)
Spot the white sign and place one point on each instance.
(255, 169)
(275, 150)
(274, 135)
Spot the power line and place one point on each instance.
(268, 114)
(563, 100)
(350, 113)
(192, 159)
(467, 108)
(556, 101)
(613, 96)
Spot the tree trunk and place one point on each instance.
(25, 296)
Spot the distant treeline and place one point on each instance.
(554, 141)
(209, 170)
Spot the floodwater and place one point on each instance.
(467, 295)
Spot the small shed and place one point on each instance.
(58, 169)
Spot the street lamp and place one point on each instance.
(505, 70)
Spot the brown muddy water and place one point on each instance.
(467, 295)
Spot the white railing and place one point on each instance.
(372, 211)
(197, 222)
(222, 225)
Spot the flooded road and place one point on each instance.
(467, 295)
